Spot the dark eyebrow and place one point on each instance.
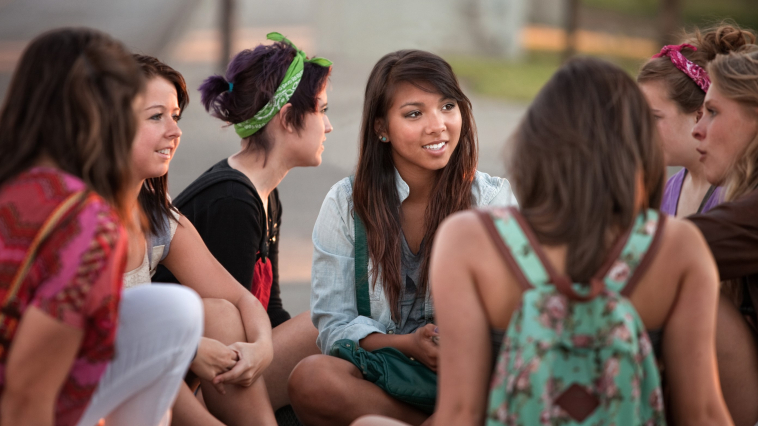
(417, 104)
(420, 104)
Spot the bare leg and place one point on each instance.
(189, 411)
(737, 354)
(326, 390)
(293, 341)
(241, 405)
(376, 421)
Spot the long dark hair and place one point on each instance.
(576, 157)
(255, 75)
(375, 197)
(153, 196)
(71, 99)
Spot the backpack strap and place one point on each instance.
(517, 245)
(638, 253)
(214, 176)
(633, 252)
(497, 238)
(362, 299)
(209, 178)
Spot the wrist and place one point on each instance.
(408, 345)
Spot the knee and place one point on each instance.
(182, 308)
(314, 381)
(223, 321)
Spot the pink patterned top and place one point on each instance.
(76, 277)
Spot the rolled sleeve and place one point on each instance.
(333, 303)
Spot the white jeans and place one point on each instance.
(159, 328)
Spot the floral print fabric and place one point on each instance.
(557, 349)
(75, 277)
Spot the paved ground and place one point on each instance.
(183, 35)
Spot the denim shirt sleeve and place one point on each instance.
(333, 304)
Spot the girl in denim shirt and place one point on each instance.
(417, 165)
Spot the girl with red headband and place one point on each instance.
(675, 83)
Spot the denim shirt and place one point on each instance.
(333, 304)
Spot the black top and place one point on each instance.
(227, 211)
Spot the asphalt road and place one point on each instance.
(182, 33)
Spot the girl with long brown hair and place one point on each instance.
(587, 169)
(728, 147)
(417, 165)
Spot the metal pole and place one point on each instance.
(571, 23)
(227, 32)
(671, 11)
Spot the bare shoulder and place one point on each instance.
(682, 239)
(462, 228)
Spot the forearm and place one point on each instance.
(26, 410)
(255, 319)
(374, 341)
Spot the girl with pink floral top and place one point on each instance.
(74, 348)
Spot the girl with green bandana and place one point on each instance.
(417, 165)
(277, 101)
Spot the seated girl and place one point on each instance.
(588, 172)
(728, 148)
(417, 165)
(74, 348)
(235, 204)
(675, 83)
(236, 347)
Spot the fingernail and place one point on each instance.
(436, 329)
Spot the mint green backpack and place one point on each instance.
(575, 354)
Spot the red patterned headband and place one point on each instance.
(693, 70)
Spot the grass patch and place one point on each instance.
(516, 80)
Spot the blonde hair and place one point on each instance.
(736, 76)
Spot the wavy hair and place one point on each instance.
(153, 196)
(71, 99)
(736, 76)
(375, 197)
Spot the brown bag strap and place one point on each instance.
(31, 253)
(505, 252)
(647, 259)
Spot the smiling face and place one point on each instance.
(674, 126)
(724, 132)
(308, 144)
(158, 133)
(423, 128)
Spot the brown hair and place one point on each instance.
(375, 197)
(71, 99)
(153, 196)
(688, 96)
(575, 157)
(736, 76)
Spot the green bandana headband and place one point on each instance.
(283, 92)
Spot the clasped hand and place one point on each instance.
(424, 349)
(238, 364)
